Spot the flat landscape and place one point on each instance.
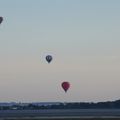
(68, 114)
(56, 118)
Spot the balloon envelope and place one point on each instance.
(1, 19)
(65, 86)
(49, 58)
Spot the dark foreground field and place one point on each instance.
(58, 114)
(30, 118)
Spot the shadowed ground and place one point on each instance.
(60, 119)
(58, 114)
(61, 113)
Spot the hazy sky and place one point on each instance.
(82, 35)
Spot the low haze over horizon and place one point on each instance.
(83, 36)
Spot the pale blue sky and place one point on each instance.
(82, 35)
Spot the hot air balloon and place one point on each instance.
(1, 19)
(49, 58)
(65, 86)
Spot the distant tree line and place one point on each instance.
(75, 105)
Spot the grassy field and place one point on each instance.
(59, 118)
(69, 114)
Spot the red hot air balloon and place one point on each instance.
(65, 86)
(1, 19)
